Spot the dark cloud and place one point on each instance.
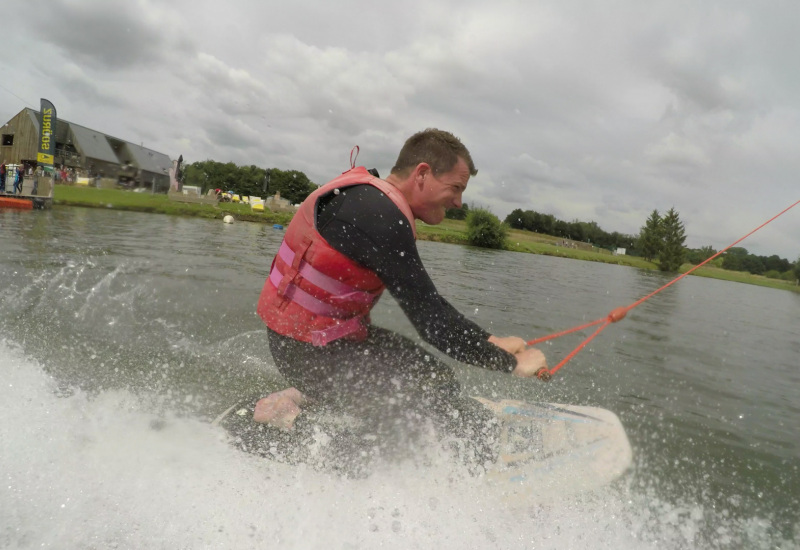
(110, 35)
(225, 133)
(87, 91)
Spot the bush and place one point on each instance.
(485, 230)
(773, 274)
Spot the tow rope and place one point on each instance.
(619, 313)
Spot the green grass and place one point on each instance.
(449, 231)
(455, 231)
(741, 277)
(159, 204)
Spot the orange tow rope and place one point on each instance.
(619, 313)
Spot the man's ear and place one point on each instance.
(422, 169)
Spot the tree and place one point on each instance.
(560, 229)
(753, 264)
(673, 236)
(547, 223)
(738, 259)
(592, 233)
(650, 237)
(530, 220)
(293, 185)
(699, 255)
(514, 220)
(485, 230)
(575, 231)
(248, 180)
(776, 263)
(797, 269)
(457, 213)
(734, 258)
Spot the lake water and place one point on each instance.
(124, 333)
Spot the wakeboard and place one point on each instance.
(546, 450)
(552, 450)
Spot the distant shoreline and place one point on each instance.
(449, 231)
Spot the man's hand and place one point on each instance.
(529, 363)
(511, 344)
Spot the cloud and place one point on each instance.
(109, 35)
(677, 150)
(76, 83)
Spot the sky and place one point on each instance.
(595, 111)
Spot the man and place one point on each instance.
(19, 176)
(350, 239)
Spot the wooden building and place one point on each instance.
(88, 152)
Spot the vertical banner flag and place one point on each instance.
(47, 134)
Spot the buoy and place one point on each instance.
(277, 226)
(228, 219)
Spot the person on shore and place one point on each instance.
(3, 177)
(38, 173)
(351, 239)
(18, 179)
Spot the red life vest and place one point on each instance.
(315, 293)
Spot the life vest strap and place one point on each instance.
(338, 289)
(292, 293)
(323, 337)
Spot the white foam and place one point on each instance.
(105, 472)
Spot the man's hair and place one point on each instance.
(440, 149)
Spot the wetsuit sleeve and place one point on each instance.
(365, 225)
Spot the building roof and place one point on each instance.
(95, 145)
(34, 118)
(149, 160)
(92, 144)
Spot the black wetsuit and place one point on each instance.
(388, 376)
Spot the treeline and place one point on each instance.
(739, 259)
(661, 239)
(293, 185)
(588, 232)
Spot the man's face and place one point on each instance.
(438, 193)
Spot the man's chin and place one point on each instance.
(438, 217)
(434, 220)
